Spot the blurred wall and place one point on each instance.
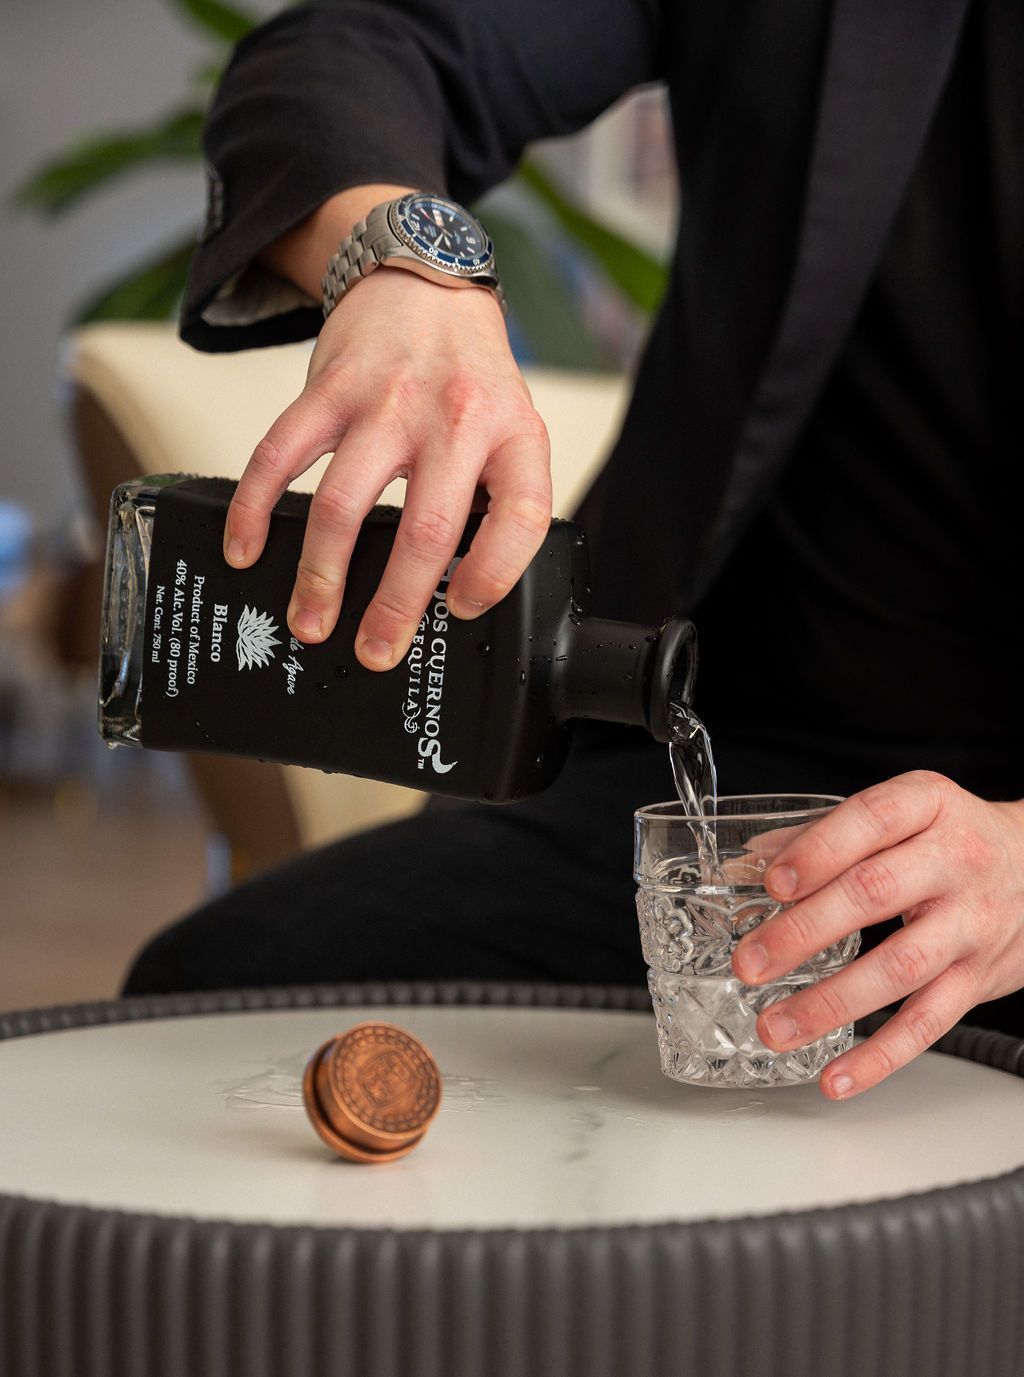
(64, 69)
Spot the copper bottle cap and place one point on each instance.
(371, 1092)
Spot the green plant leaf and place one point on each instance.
(223, 21)
(635, 272)
(207, 74)
(150, 291)
(62, 182)
(543, 307)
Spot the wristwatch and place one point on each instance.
(422, 232)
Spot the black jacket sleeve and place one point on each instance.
(439, 94)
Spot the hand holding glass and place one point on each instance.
(701, 889)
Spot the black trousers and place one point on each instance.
(540, 890)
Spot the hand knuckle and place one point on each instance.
(963, 973)
(268, 460)
(462, 399)
(923, 1024)
(975, 921)
(314, 583)
(335, 510)
(814, 853)
(386, 607)
(528, 514)
(430, 533)
(871, 887)
(402, 389)
(529, 424)
(333, 381)
(825, 1007)
(797, 939)
(247, 508)
(904, 964)
(400, 406)
(492, 580)
(882, 1059)
(938, 788)
(931, 779)
(881, 809)
(975, 852)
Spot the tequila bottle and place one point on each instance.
(196, 655)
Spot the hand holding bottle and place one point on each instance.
(195, 657)
(408, 379)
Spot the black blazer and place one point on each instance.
(797, 124)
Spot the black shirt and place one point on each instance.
(874, 608)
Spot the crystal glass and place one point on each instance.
(701, 889)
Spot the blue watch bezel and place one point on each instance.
(452, 263)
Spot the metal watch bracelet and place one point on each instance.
(361, 253)
(357, 256)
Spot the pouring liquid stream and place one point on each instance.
(693, 769)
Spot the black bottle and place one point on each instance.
(196, 655)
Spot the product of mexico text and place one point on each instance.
(197, 655)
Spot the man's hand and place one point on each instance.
(416, 380)
(920, 846)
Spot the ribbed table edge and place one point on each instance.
(924, 1285)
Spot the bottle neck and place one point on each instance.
(621, 672)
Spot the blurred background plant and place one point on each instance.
(549, 322)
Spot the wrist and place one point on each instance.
(301, 254)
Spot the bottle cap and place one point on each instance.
(673, 675)
(371, 1092)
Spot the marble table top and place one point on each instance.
(549, 1118)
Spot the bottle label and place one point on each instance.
(223, 673)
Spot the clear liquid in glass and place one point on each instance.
(692, 916)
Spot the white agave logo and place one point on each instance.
(255, 638)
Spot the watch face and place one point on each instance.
(443, 232)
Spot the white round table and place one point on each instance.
(166, 1210)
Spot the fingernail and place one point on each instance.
(466, 607)
(753, 959)
(376, 650)
(781, 1028)
(306, 622)
(781, 881)
(840, 1085)
(235, 553)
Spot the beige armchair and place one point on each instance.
(142, 402)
